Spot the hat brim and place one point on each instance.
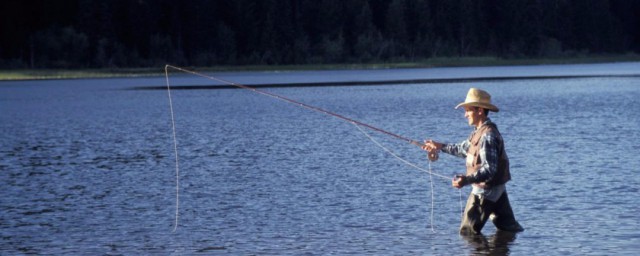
(488, 106)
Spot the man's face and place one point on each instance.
(473, 115)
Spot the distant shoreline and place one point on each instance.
(373, 82)
(51, 74)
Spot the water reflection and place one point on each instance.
(496, 244)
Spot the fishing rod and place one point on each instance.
(313, 108)
(433, 156)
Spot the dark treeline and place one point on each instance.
(143, 33)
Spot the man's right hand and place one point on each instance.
(432, 146)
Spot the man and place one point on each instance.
(487, 167)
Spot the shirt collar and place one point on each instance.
(488, 121)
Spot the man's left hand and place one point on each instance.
(459, 181)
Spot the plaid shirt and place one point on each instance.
(489, 148)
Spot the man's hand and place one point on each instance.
(432, 146)
(459, 181)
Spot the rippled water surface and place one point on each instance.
(87, 167)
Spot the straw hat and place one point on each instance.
(478, 98)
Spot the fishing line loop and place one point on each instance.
(357, 124)
(398, 157)
(175, 149)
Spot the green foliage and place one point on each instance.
(95, 34)
(59, 47)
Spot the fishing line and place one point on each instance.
(357, 124)
(398, 157)
(433, 200)
(461, 210)
(175, 149)
(317, 109)
(431, 173)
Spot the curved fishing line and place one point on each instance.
(433, 199)
(175, 149)
(356, 123)
(461, 209)
(317, 109)
(398, 157)
(429, 171)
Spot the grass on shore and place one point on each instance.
(35, 74)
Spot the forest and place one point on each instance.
(145, 33)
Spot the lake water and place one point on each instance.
(87, 166)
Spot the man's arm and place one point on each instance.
(459, 150)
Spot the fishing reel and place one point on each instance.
(433, 156)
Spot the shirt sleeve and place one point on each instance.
(459, 149)
(488, 159)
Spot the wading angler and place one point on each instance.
(487, 167)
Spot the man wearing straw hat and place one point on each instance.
(487, 167)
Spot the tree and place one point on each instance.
(369, 44)
(59, 48)
(396, 28)
(124, 33)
